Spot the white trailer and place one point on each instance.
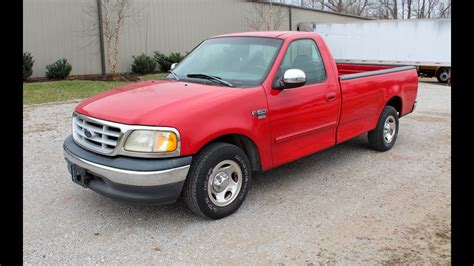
(424, 43)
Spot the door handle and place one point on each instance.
(330, 96)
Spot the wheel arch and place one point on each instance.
(245, 143)
(397, 103)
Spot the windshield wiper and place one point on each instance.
(209, 77)
(174, 75)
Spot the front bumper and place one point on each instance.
(151, 181)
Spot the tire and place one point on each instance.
(218, 181)
(442, 75)
(383, 137)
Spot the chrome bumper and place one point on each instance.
(131, 178)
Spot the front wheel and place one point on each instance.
(218, 180)
(383, 137)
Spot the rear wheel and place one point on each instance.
(442, 75)
(383, 137)
(218, 180)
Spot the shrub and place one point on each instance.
(143, 64)
(165, 62)
(175, 58)
(58, 70)
(28, 62)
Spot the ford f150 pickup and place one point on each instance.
(238, 104)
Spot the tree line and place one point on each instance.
(380, 9)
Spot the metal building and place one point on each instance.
(54, 29)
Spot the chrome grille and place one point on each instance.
(94, 135)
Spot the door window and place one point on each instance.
(304, 55)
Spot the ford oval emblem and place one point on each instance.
(88, 133)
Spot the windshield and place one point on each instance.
(241, 61)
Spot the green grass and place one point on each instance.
(64, 90)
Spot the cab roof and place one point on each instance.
(267, 34)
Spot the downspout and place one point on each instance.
(101, 38)
(289, 17)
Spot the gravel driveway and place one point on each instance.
(345, 205)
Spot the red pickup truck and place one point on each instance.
(238, 104)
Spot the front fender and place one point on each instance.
(229, 114)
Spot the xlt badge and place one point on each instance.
(260, 114)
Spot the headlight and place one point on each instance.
(151, 141)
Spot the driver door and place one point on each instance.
(303, 120)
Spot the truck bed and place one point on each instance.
(346, 69)
(366, 89)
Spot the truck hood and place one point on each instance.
(149, 102)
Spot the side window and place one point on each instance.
(304, 55)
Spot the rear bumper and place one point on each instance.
(151, 181)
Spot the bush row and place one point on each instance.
(57, 70)
(144, 64)
(28, 62)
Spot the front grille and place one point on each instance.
(95, 135)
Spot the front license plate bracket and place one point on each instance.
(79, 175)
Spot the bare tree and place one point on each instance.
(420, 8)
(394, 9)
(350, 7)
(444, 9)
(114, 15)
(406, 9)
(432, 4)
(359, 7)
(386, 9)
(338, 5)
(266, 16)
(316, 4)
(382, 10)
(391, 7)
(427, 8)
(114, 19)
(409, 6)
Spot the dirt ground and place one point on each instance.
(345, 205)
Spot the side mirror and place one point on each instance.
(293, 78)
(173, 65)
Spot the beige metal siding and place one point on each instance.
(54, 28)
(178, 26)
